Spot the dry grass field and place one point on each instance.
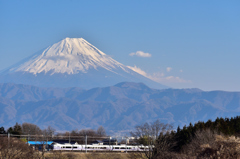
(89, 155)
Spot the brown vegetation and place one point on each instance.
(202, 140)
(90, 155)
(209, 144)
(13, 148)
(157, 137)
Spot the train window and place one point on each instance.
(75, 147)
(116, 147)
(68, 147)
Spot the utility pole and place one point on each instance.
(47, 142)
(69, 138)
(126, 144)
(86, 144)
(109, 143)
(8, 139)
(28, 135)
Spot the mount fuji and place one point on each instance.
(72, 62)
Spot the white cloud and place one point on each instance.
(140, 54)
(173, 79)
(138, 70)
(159, 76)
(181, 71)
(169, 69)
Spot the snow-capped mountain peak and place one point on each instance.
(71, 56)
(72, 62)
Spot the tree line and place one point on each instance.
(27, 129)
(225, 126)
(32, 129)
(195, 140)
(15, 146)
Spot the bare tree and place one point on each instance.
(88, 132)
(49, 131)
(164, 146)
(13, 148)
(151, 131)
(205, 145)
(81, 136)
(74, 132)
(101, 131)
(30, 129)
(148, 133)
(202, 138)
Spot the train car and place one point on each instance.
(67, 147)
(96, 147)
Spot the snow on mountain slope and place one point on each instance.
(72, 62)
(71, 56)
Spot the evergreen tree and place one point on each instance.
(2, 131)
(17, 129)
(10, 130)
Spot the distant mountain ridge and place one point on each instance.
(72, 62)
(117, 108)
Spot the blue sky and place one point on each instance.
(189, 43)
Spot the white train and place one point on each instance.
(96, 147)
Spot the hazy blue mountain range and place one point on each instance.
(117, 108)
